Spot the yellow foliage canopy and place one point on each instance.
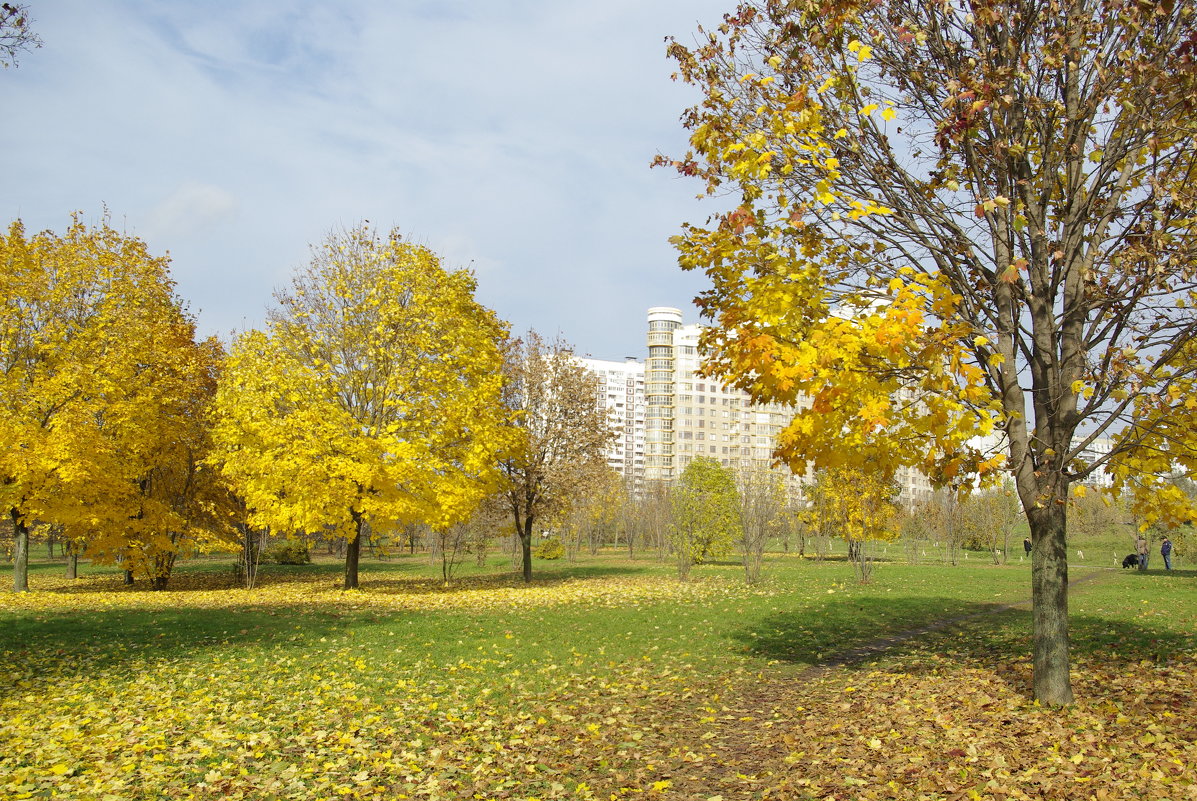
(103, 394)
(372, 395)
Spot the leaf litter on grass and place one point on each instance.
(937, 720)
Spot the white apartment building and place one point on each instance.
(689, 416)
(1099, 448)
(621, 392)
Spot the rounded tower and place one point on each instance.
(659, 394)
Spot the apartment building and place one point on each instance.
(621, 392)
(689, 416)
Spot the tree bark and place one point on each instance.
(20, 556)
(526, 545)
(353, 552)
(1049, 591)
(72, 565)
(128, 578)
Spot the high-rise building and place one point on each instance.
(666, 414)
(621, 392)
(689, 416)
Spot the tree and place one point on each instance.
(181, 505)
(95, 361)
(989, 518)
(763, 512)
(706, 514)
(564, 434)
(373, 395)
(596, 513)
(491, 518)
(954, 217)
(15, 33)
(858, 505)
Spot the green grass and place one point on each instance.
(406, 661)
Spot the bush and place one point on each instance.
(549, 549)
(288, 552)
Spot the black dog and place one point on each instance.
(1131, 560)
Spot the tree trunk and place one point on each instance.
(250, 554)
(72, 565)
(1049, 593)
(128, 578)
(353, 552)
(526, 545)
(158, 583)
(20, 555)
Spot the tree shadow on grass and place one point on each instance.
(505, 580)
(407, 577)
(69, 640)
(76, 642)
(924, 635)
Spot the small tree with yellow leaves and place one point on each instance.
(859, 506)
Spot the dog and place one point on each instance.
(1131, 560)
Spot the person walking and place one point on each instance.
(1026, 545)
(1166, 552)
(1143, 551)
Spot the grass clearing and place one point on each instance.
(593, 682)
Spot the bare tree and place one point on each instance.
(762, 515)
(15, 33)
(565, 433)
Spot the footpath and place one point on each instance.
(926, 713)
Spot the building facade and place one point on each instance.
(621, 391)
(689, 416)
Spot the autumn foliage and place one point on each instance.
(105, 409)
(951, 220)
(372, 396)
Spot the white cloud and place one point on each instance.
(513, 135)
(191, 209)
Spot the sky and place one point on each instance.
(512, 137)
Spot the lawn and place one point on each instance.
(605, 678)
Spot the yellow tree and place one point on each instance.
(89, 317)
(952, 217)
(179, 505)
(858, 505)
(373, 395)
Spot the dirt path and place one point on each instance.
(740, 747)
(862, 653)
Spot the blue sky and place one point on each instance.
(511, 137)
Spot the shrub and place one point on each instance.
(549, 549)
(289, 552)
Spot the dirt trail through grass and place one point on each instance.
(749, 739)
(862, 653)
